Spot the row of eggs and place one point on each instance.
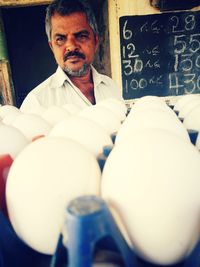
(93, 125)
(68, 160)
(150, 179)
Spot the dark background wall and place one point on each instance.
(30, 57)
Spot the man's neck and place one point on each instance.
(85, 85)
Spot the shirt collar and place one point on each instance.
(97, 77)
(61, 77)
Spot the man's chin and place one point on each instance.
(77, 72)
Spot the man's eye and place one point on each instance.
(82, 36)
(60, 40)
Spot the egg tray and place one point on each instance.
(92, 235)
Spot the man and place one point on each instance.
(73, 38)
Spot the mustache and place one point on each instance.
(73, 53)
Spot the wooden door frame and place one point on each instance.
(7, 93)
(20, 3)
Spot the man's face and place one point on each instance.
(73, 43)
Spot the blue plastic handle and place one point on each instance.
(88, 226)
(88, 221)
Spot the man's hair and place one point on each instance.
(67, 7)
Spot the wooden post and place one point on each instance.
(6, 84)
(7, 95)
(17, 3)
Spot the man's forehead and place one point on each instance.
(76, 19)
(72, 23)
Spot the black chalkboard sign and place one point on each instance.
(160, 54)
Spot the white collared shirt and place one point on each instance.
(59, 90)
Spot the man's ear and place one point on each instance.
(50, 44)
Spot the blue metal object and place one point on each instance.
(177, 112)
(14, 252)
(1, 258)
(193, 134)
(88, 222)
(113, 137)
(60, 257)
(90, 228)
(101, 160)
(171, 106)
(107, 150)
(103, 157)
(194, 259)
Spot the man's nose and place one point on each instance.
(71, 44)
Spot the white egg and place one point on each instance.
(149, 98)
(192, 120)
(84, 131)
(12, 141)
(55, 114)
(8, 109)
(188, 107)
(142, 105)
(151, 118)
(45, 176)
(148, 101)
(31, 125)
(103, 116)
(116, 106)
(155, 108)
(183, 100)
(152, 181)
(139, 106)
(10, 117)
